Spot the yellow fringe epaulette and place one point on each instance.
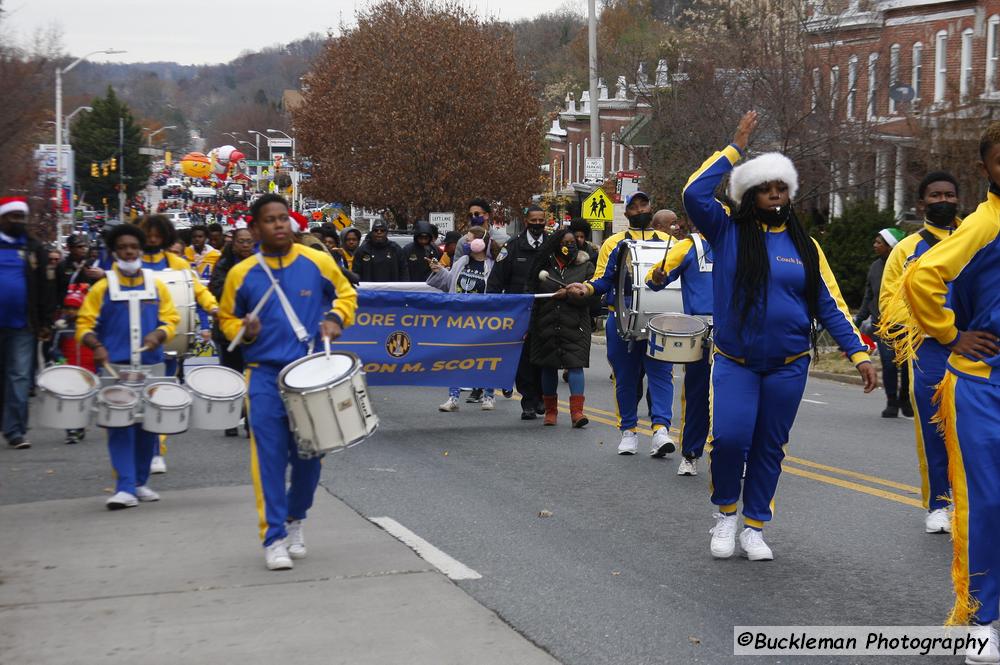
(896, 327)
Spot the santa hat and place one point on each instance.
(75, 295)
(769, 167)
(301, 219)
(9, 204)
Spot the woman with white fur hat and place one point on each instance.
(772, 285)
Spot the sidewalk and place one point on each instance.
(183, 581)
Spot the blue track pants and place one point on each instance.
(926, 372)
(131, 450)
(695, 407)
(627, 359)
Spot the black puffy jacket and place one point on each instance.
(560, 329)
(415, 255)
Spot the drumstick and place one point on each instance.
(545, 275)
(256, 310)
(110, 369)
(326, 345)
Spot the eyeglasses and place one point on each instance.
(243, 241)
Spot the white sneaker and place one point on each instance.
(158, 465)
(143, 493)
(976, 655)
(753, 545)
(724, 535)
(489, 403)
(662, 443)
(276, 556)
(450, 405)
(629, 443)
(296, 540)
(688, 467)
(122, 500)
(938, 521)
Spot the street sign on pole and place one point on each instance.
(593, 169)
(598, 209)
(444, 221)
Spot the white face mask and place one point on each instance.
(129, 267)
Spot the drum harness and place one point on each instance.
(300, 330)
(134, 298)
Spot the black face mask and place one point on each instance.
(774, 217)
(942, 213)
(536, 229)
(640, 220)
(150, 250)
(16, 229)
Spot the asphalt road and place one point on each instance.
(620, 572)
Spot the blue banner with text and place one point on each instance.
(438, 339)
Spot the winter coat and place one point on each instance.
(380, 264)
(513, 263)
(561, 329)
(873, 285)
(446, 279)
(415, 255)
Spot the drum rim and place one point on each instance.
(214, 398)
(283, 387)
(118, 407)
(94, 389)
(146, 396)
(667, 333)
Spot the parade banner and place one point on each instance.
(438, 339)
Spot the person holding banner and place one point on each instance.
(311, 300)
(628, 358)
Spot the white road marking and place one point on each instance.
(812, 401)
(454, 569)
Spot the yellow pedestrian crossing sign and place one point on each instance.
(598, 207)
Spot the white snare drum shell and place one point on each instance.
(216, 397)
(117, 406)
(66, 395)
(166, 408)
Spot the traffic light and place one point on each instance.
(114, 164)
(93, 170)
(105, 169)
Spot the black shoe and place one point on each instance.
(508, 393)
(19, 443)
(233, 431)
(905, 408)
(73, 436)
(528, 415)
(565, 376)
(891, 409)
(540, 409)
(475, 397)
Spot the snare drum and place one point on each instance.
(166, 408)
(180, 284)
(326, 398)
(677, 338)
(216, 396)
(635, 302)
(117, 406)
(66, 395)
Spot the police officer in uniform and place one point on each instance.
(379, 259)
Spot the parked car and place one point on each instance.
(180, 220)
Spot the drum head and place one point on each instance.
(118, 396)
(68, 380)
(677, 324)
(167, 394)
(318, 370)
(215, 381)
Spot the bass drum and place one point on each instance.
(180, 284)
(635, 303)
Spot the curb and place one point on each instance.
(816, 374)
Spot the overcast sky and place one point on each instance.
(205, 31)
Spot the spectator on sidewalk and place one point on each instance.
(26, 307)
(448, 247)
(350, 239)
(583, 234)
(74, 269)
(379, 259)
(511, 276)
(896, 382)
(561, 330)
(419, 253)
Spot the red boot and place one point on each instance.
(551, 408)
(576, 411)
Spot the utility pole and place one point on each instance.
(595, 130)
(121, 170)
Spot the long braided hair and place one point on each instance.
(753, 265)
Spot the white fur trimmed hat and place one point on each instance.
(769, 167)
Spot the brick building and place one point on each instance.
(945, 54)
(622, 121)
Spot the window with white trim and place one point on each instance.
(992, 52)
(917, 69)
(852, 85)
(872, 86)
(893, 73)
(815, 90)
(940, 65)
(965, 80)
(834, 88)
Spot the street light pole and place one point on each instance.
(69, 142)
(295, 173)
(149, 138)
(257, 136)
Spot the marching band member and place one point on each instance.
(103, 325)
(200, 254)
(952, 292)
(691, 260)
(771, 282)
(320, 302)
(628, 358)
(938, 196)
(160, 234)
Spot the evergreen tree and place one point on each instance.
(95, 137)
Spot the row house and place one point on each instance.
(895, 72)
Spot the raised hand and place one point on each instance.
(748, 123)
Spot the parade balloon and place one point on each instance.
(196, 165)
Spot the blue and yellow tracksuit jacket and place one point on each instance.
(110, 322)
(167, 261)
(204, 267)
(783, 332)
(682, 260)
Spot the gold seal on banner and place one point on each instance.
(398, 344)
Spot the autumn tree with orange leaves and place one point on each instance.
(419, 107)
